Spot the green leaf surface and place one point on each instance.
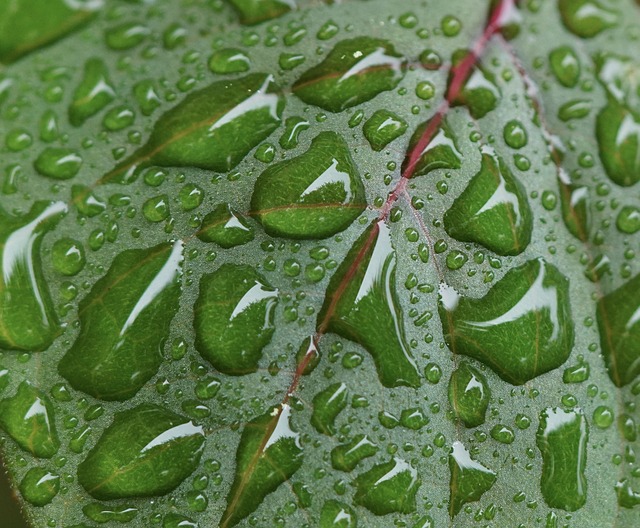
(309, 263)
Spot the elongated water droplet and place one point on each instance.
(29, 419)
(327, 404)
(229, 60)
(268, 455)
(562, 440)
(124, 322)
(58, 163)
(234, 318)
(574, 109)
(627, 496)
(469, 394)
(586, 18)
(346, 457)
(441, 152)
(226, 227)
(102, 513)
(619, 324)
(354, 71)
(388, 488)
(293, 127)
(521, 328)
(469, 479)
(382, 128)
(565, 66)
(94, 92)
(126, 36)
(213, 128)
(315, 195)
(253, 12)
(361, 304)
(493, 210)
(146, 451)
(29, 321)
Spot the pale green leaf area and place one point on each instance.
(305, 263)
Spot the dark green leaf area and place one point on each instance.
(469, 394)
(586, 18)
(327, 404)
(388, 488)
(480, 94)
(315, 195)
(27, 26)
(493, 210)
(39, 486)
(346, 457)
(361, 304)
(255, 11)
(439, 153)
(618, 132)
(226, 227)
(619, 323)
(469, 479)
(28, 320)
(213, 128)
(233, 318)
(355, 70)
(28, 417)
(337, 514)
(146, 451)
(562, 440)
(94, 92)
(382, 128)
(115, 354)
(565, 66)
(268, 455)
(521, 328)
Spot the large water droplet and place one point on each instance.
(255, 11)
(469, 394)
(337, 515)
(327, 404)
(469, 479)
(268, 455)
(354, 71)
(58, 163)
(315, 195)
(619, 324)
(493, 210)
(234, 318)
(388, 488)
(521, 328)
(441, 152)
(586, 18)
(565, 66)
(146, 451)
(562, 440)
(346, 457)
(39, 486)
(361, 304)
(382, 128)
(29, 321)
(28, 417)
(229, 60)
(226, 227)
(213, 128)
(94, 92)
(126, 36)
(124, 322)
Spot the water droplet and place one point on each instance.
(361, 304)
(174, 520)
(515, 135)
(382, 128)
(627, 496)
(156, 209)
(574, 109)
(346, 457)
(293, 127)
(94, 92)
(430, 60)
(268, 455)
(441, 152)
(503, 434)
(565, 65)
(39, 486)
(118, 118)
(388, 488)
(289, 61)
(101, 513)
(480, 93)
(528, 306)
(58, 163)
(67, 256)
(229, 60)
(265, 153)
(234, 318)
(145, 93)
(603, 417)
(469, 479)
(493, 210)
(314, 195)
(586, 18)
(450, 26)
(28, 417)
(562, 440)
(232, 117)
(354, 71)
(126, 36)
(327, 404)
(226, 227)
(29, 321)
(253, 12)
(619, 324)
(146, 451)
(413, 418)
(576, 373)
(124, 322)
(337, 515)
(469, 394)
(628, 220)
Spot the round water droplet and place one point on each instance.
(565, 65)
(39, 486)
(456, 259)
(156, 209)
(430, 60)
(425, 90)
(118, 118)
(503, 434)
(68, 257)
(603, 417)
(450, 26)
(515, 135)
(190, 196)
(18, 139)
(229, 60)
(628, 220)
(58, 163)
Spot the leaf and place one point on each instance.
(316, 263)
